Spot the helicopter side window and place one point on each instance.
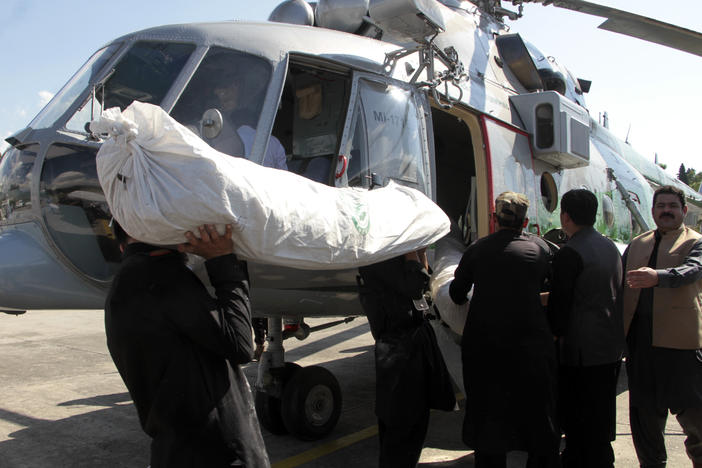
(388, 135)
(76, 212)
(145, 73)
(15, 181)
(608, 210)
(222, 102)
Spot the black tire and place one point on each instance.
(311, 403)
(268, 407)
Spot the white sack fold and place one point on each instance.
(447, 256)
(161, 180)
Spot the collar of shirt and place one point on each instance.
(146, 249)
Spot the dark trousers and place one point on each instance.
(648, 428)
(485, 459)
(587, 411)
(401, 445)
(175, 450)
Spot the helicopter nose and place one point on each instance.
(32, 276)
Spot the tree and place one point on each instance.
(690, 177)
(694, 178)
(682, 174)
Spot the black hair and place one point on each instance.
(669, 189)
(580, 205)
(511, 223)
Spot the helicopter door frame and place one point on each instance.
(269, 110)
(481, 186)
(423, 109)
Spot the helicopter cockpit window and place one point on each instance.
(70, 92)
(76, 212)
(145, 73)
(230, 86)
(388, 135)
(15, 182)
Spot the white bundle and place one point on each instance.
(161, 180)
(447, 255)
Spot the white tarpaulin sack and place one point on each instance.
(447, 256)
(161, 180)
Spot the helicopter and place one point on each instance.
(436, 95)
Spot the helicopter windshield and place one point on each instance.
(234, 83)
(70, 92)
(144, 73)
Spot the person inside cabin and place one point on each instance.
(238, 127)
(662, 313)
(509, 358)
(582, 307)
(179, 350)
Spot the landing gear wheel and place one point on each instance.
(268, 406)
(311, 403)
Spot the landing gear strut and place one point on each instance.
(302, 401)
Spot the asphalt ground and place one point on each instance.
(63, 404)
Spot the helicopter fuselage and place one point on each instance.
(347, 110)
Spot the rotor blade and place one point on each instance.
(638, 26)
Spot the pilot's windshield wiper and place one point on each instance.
(93, 97)
(99, 84)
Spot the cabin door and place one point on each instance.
(385, 136)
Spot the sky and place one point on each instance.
(651, 93)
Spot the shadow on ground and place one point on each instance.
(105, 437)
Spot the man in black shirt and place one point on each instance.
(411, 376)
(509, 363)
(587, 276)
(178, 350)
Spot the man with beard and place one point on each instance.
(662, 312)
(509, 362)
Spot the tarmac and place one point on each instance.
(63, 404)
